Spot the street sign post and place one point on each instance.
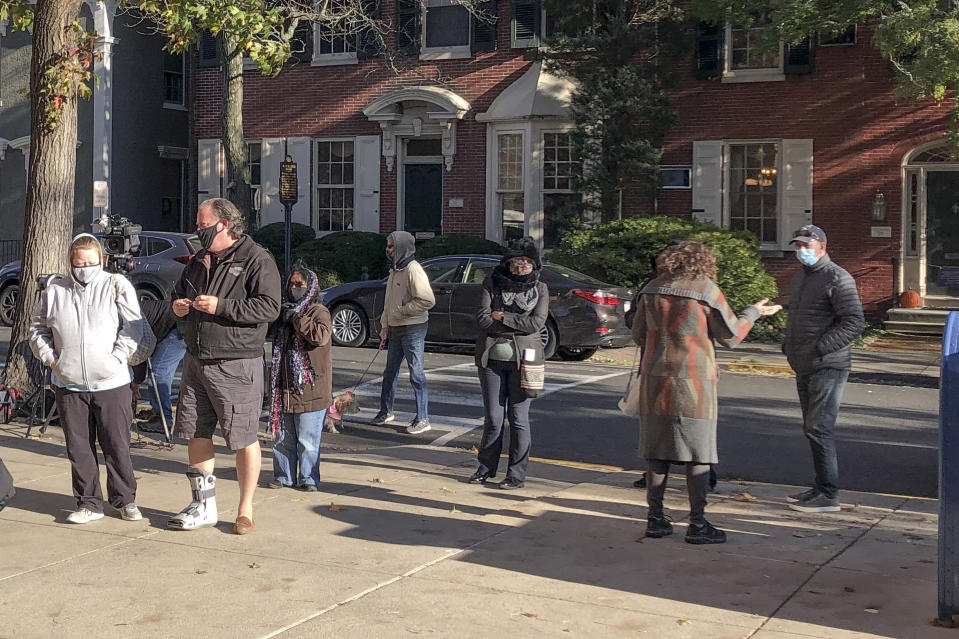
(949, 474)
(101, 198)
(288, 197)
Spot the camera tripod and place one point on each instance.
(167, 428)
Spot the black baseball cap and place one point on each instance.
(809, 232)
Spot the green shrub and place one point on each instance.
(326, 278)
(345, 253)
(457, 244)
(621, 252)
(272, 237)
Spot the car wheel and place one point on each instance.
(8, 304)
(575, 354)
(349, 325)
(148, 294)
(550, 337)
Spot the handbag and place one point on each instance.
(532, 378)
(629, 402)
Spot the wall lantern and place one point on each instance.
(879, 207)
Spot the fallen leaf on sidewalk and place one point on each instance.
(376, 480)
(473, 450)
(335, 509)
(744, 497)
(446, 490)
(683, 622)
(798, 534)
(849, 589)
(200, 572)
(454, 509)
(254, 565)
(872, 611)
(299, 499)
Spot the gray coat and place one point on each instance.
(89, 331)
(825, 316)
(523, 328)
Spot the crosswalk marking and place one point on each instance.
(462, 375)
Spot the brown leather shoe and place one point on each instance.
(243, 526)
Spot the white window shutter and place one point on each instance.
(299, 149)
(708, 181)
(366, 207)
(208, 169)
(271, 154)
(797, 188)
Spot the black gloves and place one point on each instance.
(288, 312)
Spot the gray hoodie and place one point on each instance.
(409, 296)
(89, 331)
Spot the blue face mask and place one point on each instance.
(806, 256)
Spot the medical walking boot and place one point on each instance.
(202, 510)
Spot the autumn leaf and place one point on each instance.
(683, 622)
(454, 509)
(254, 565)
(744, 497)
(335, 509)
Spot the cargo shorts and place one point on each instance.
(224, 391)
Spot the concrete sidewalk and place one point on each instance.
(396, 544)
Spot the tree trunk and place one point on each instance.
(48, 220)
(237, 169)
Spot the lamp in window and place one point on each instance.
(766, 175)
(879, 207)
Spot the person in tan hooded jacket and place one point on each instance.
(409, 298)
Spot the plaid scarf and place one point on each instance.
(285, 339)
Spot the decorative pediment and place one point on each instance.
(535, 95)
(418, 111)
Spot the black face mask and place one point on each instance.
(297, 293)
(207, 236)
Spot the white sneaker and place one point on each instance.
(130, 512)
(83, 516)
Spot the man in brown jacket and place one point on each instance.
(301, 383)
(409, 297)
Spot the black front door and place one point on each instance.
(942, 233)
(423, 201)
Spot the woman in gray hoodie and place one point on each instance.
(85, 327)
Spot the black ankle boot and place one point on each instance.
(480, 477)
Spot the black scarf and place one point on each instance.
(514, 293)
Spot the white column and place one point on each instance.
(103, 14)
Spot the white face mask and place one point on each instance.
(85, 274)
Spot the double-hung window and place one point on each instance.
(335, 43)
(509, 185)
(174, 66)
(447, 30)
(754, 189)
(747, 58)
(334, 185)
(560, 202)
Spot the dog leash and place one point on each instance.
(375, 355)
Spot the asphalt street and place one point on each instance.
(888, 435)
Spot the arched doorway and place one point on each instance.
(930, 228)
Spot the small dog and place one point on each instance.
(345, 404)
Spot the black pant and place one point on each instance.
(503, 398)
(104, 417)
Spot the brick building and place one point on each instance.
(467, 134)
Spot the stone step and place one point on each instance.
(918, 315)
(925, 328)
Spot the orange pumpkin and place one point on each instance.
(910, 299)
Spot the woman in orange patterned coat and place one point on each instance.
(679, 315)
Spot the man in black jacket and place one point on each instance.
(825, 316)
(225, 300)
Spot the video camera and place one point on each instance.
(120, 240)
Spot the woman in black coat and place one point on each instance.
(511, 316)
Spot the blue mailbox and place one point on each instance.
(949, 473)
